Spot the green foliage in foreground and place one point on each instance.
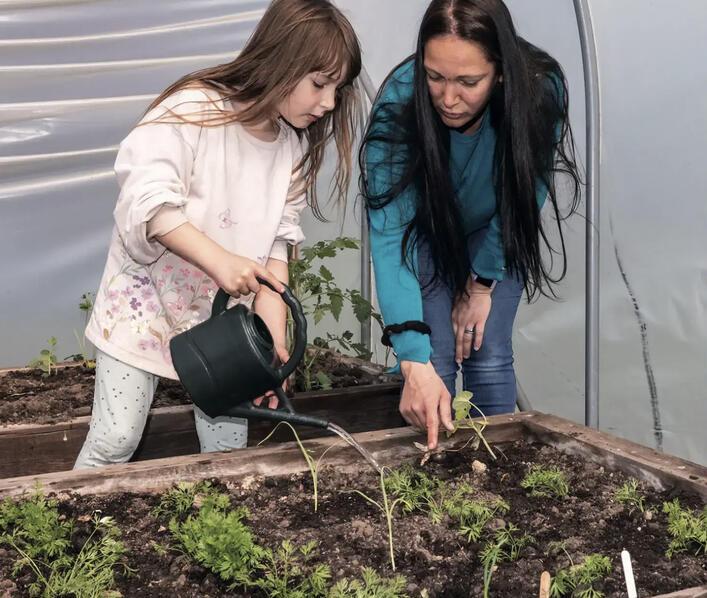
(42, 540)
(578, 580)
(688, 529)
(505, 546)
(416, 491)
(217, 537)
(629, 494)
(547, 482)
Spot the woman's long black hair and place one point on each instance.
(529, 112)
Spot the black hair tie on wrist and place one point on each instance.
(414, 325)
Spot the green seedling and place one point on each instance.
(312, 464)
(548, 482)
(85, 356)
(371, 585)
(46, 360)
(688, 529)
(629, 494)
(35, 530)
(177, 502)
(464, 411)
(387, 507)
(578, 581)
(475, 515)
(33, 525)
(505, 546)
(315, 287)
(288, 572)
(414, 489)
(220, 540)
(92, 572)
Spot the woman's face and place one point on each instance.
(312, 98)
(460, 78)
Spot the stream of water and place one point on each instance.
(350, 439)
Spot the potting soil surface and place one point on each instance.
(435, 559)
(27, 397)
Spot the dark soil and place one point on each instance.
(28, 397)
(434, 558)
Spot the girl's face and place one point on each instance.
(312, 98)
(460, 78)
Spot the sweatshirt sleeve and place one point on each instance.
(289, 231)
(397, 287)
(153, 168)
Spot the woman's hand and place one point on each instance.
(470, 312)
(425, 400)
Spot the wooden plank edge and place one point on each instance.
(660, 470)
(304, 398)
(387, 446)
(700, 592)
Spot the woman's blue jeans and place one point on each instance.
(488, 373)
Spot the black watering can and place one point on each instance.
(228, 360)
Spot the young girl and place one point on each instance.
(212, 183)
(463, 144)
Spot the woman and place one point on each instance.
(460, 155)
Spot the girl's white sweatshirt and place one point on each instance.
(233, 187)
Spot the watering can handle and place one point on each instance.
(300, 328)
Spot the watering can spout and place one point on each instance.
(288, 414)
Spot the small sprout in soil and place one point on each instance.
(463, 413)
(85, 356)
(555, 547)
(387, 509)
(550, 482)
(413, 488)
(177, 502)
(34, 526)
(688, 529)
(505, 546)
(311, 463)
(415, 491)
(474, 515)
(288, 571)
(220, 540)
(578, 580)
(630, 494)
(46, 360)
(34, 529)
(371, 585)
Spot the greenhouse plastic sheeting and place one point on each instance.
(76, 75)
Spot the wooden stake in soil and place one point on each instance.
(545, 580)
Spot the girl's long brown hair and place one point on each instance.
(293, 39)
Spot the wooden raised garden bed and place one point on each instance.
(435, 557)
(53, 445)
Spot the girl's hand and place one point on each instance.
(425, 400)
(234, 273)
(237, 275)
(470, 312)
(283, 355)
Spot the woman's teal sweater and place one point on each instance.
(471, 171)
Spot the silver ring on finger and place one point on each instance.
(468, 331)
